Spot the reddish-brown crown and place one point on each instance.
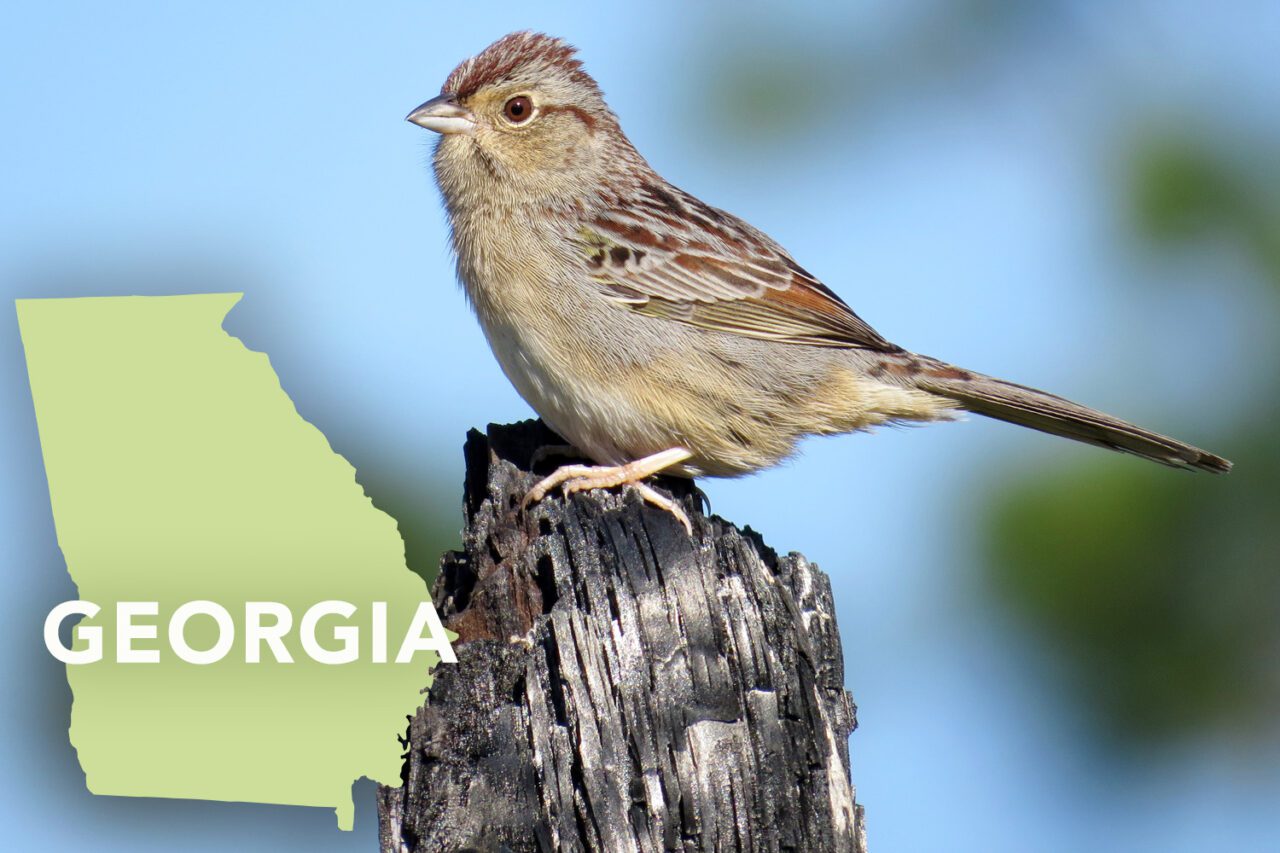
(513, 53)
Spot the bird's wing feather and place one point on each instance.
(666, 254)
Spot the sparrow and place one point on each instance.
(654, 332)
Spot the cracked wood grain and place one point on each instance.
(621, 686)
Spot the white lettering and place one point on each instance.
(255, 633)
(178, 637)
(379, 632)
(90, 634)
(127, 632)
(348, 634)
(265, 622)
(436, 640)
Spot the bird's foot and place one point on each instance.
(661, 501)
(581, 478)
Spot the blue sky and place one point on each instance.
(262, 147)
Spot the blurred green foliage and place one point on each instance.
(427, 507)
(1157, 592)
(1161, 591)
(1185, 188)
(800, 77)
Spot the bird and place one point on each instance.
(656, 333)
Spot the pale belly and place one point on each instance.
(589, 411)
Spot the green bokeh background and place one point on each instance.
(1052, 648)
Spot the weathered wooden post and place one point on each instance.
(622, 687)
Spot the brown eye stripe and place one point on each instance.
(582, 115)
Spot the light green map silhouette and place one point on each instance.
(179, 470)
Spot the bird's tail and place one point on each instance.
(1039, 410)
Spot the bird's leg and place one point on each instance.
(547, 451)
(580, 478)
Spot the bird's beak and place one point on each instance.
(443, 114)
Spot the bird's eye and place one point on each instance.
(518, 109)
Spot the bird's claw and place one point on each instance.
(581, 478)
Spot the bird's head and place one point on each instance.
(519, 122)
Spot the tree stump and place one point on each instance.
(621, 686)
